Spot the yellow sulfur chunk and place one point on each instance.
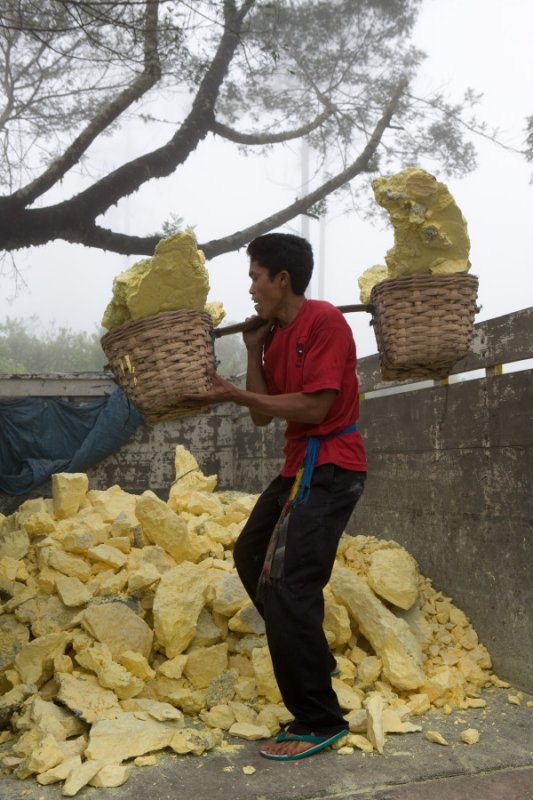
(436, 738)
(430, 232)
(174, 278)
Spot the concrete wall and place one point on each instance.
(451, 474)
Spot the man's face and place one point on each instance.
(267, 293)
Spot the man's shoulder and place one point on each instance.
(322, 310)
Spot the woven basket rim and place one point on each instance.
(445, 278)
(152, 320)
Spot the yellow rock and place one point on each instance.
(39, 523)
(145, 761)
(106, 554)
(436, 738)
(252, 733)
(86, 698)
(115, 740)
(78, 542)
(393, 575)
(274, 711)
(117, 626)
(217, 532)
(264, 674)
(164, 527)
(14, 544)
(173, 667)
(391, 638)
(337, 623)
(110, 776)
(80, 777)
(122, 543)
(110, 674)
(369, 670)
(368, 280)
(35, 661)
(113, 504)
(217, 312)
(443, 684)
(357, 654)
(247, 620)
(174, 278)
(69, 565)
(68, 492)
(361, 742)
(72, 591)
(499, 682)
(107, 583)
(230, 595)
(393, 723)
(514, 699)
(356, 720)
(349, 699)
(45, 756)
(8, 568)
(419, 703)
(430, 232)
(347, 669)
(246, 689)
(178, 600)
(219, 716)
(196, 503)
(375, 731)
(59, 772)
(164, 712)
(189, 476)
(189, 740)
(204, 664)
(470, 736)
(55, 720)
(145, 575)
(137, 664)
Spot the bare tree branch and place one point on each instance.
(163, 161)
(270, 138)
(95, 236)
(148, 78)
(236, 240)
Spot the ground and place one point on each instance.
(499, 767)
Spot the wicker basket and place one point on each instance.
(423, 323)
(159, 358)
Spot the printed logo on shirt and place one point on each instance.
(300, 353)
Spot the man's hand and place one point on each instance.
(255, 339)
(222, 391)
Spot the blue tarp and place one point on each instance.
(41, 436)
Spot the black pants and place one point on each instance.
(293, 605)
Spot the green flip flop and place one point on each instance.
(319, 743)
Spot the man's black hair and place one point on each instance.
(284, 251)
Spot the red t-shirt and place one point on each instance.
(317, 351)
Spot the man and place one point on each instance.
(302, 368)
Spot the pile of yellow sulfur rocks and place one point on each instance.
(430, 232)
(125, 630)
(174, 278)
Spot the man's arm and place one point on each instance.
(309, 408)
(255, 380)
